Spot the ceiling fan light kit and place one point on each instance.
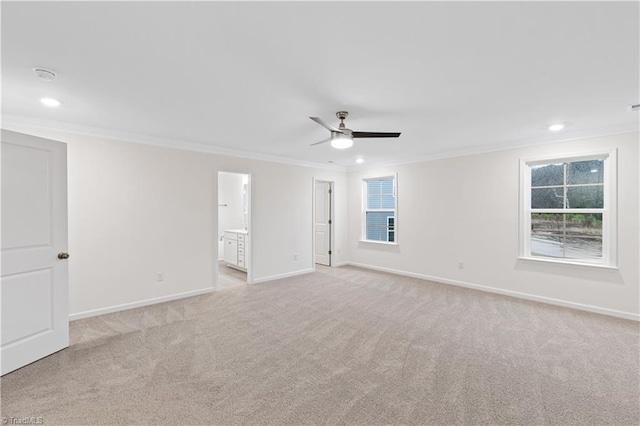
(342, 141)
(342, 137)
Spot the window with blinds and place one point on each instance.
(380, 209)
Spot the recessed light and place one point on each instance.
(50, 102)
(359, 160)
(556, 127)
(594, 170)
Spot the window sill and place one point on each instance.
(384, 243)
(565, 262)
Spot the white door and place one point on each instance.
(322, 225)
(34, 284)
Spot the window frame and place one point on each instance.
(363, 235)
(608, 211)
(391, 228)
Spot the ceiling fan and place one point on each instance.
(342, 138)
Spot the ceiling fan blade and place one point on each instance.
(376, 134)
(326, 125)
(323, 141)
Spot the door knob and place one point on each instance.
(62, 255)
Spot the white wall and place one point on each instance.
(466, 209)
(135, 210)
(230, 206)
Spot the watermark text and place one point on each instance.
(22, 420)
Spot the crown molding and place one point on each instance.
(139, 138)
(505, 146)
(59, 126)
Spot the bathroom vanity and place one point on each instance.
(234, 248)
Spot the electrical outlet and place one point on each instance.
(295, 256)
(159, 276)
(460, 264)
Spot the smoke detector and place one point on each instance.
(45, 74)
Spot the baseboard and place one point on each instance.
(280, 276)
(519, 295)
(339, 264)
(138, 304)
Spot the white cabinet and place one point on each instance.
(234, 248)
(231, 251)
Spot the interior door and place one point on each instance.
(34, 282)
(322, 225)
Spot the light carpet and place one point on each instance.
(339, 346)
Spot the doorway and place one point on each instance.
(233, 264)
(323, 222)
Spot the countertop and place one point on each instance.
(237, 231)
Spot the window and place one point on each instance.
(567, 212)
(380, 209)
(391, 231)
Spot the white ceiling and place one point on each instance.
(453, 77)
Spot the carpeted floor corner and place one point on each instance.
(339, 346)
